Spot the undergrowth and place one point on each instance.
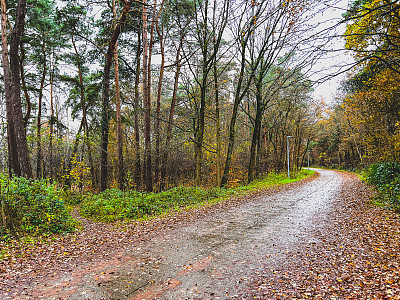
(113, 205)
(385, 176)
(32, 207)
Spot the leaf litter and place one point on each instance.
(26, 264)
(353, 253)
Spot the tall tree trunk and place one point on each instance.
(11, 136)
(138, 167)
(238, 99)
(39, 161)
(20, 135)
(158, 103)
(146, 105)
(239, 95)
(121, 167)
(231, 142)
(52, 175)
(218, 125)
(105, 118)
(23, 84)
(199, 137)
(255, 141)
(171, 116)
(258, 153)
(121, 171)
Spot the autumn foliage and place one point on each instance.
(366, 120)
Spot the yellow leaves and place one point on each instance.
(371, 27)
(79, 172)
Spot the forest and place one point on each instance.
(146, 96)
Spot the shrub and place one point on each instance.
(32, 207)
(383, 173)
(385, 176)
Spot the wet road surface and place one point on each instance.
(216, 257)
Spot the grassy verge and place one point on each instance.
(36, 212)
(115, 205)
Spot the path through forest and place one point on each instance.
(305, 240)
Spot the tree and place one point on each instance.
(146, 105)
(121, 169)
(371, 105)
(105, 119)
(42, 32)
(14, 167)
(20, 162)
(372, 32)
(178, 30)
(209, 42)
(75, 27)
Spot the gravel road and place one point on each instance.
(217, 256)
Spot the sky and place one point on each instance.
(332, 62)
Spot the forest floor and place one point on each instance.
(316, 239)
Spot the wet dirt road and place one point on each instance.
(216, 257)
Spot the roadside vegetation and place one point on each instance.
(36, 207)
(114, 204)
(385, 177)
(32, 207)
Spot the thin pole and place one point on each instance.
(288, 157)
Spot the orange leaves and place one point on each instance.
(372, 111)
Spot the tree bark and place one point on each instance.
(146, 105)
(23, 84)
(138, 166)
(255, 136)
(199, 137)
(121, 170)
(218, 125)
(238, 99)
(105, 118)
(39, 159)
(52, 175)
(11, 136)
(20, 135)
(158, 103)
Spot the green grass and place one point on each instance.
(37, 211)
(114, 205)
(274, 179)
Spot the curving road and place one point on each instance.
(216, 258)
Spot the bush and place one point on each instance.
(32, 207)
(383, 173)
(385, 176)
